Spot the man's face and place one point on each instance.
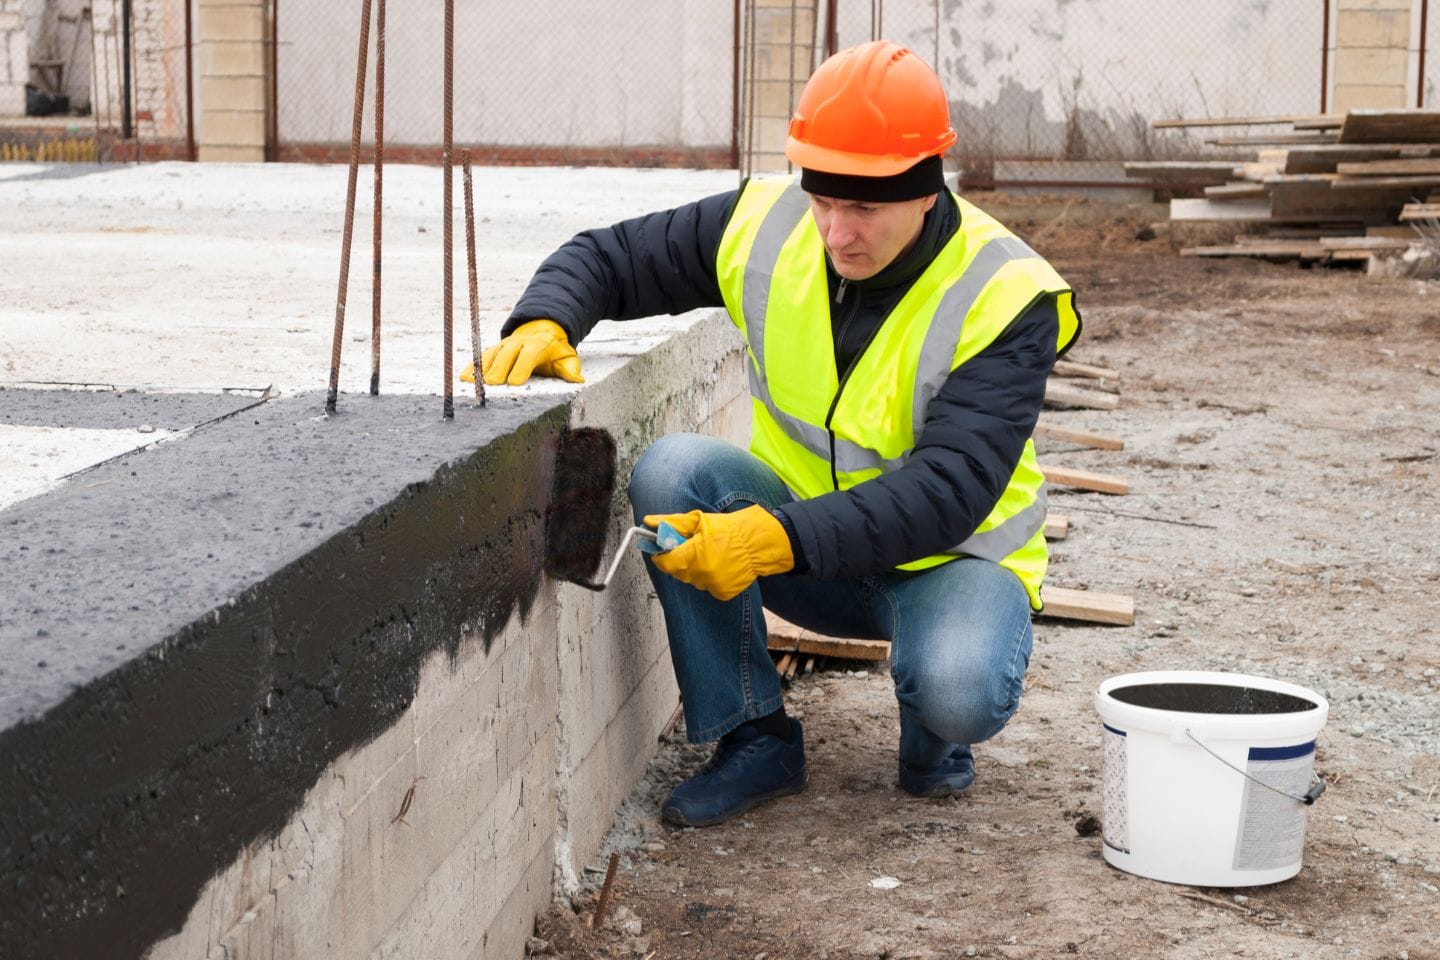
(864, 238)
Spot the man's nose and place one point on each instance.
(840, 231)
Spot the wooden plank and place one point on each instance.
(1086, 480)
(1087, 605)
(1383, 126)
(1389, 184)
(1182, 170)
(1311, 121)
(1236, 191)
(1084, 438)
(1324, 158)
(1260, 171)
(1058, 394)
(1057, 526)
(1277, 250)
(1188, 208)
(1363, 243)
(1420, 211)
(1395, 231)
(1274, 140)
(1390, 168)
(785, 637)
(1070, 368)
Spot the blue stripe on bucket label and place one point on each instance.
(1115, 819)
(1282, 753)
(1272, 825)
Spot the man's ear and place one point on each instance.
(930, 202)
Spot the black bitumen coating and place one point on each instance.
(116, 409)
(190, 635)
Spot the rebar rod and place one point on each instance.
(599, 918)
(379, 183)
(360, 64)
(449, 202)
(474, 282)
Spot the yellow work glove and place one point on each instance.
(725, 552)
(539, 346)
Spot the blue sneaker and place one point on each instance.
(951, 775)
(747, 768)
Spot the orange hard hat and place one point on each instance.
(872, 110)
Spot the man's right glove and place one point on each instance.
(539, 346)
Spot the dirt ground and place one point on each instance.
(1281, 446)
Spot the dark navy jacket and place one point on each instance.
(975, 428)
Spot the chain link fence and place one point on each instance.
(711, 82)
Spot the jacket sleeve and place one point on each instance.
(659, 263)
(974, 434)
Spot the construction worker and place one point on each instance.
(898, 344)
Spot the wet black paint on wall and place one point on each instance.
(126, 796)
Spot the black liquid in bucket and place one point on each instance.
(1211, 698)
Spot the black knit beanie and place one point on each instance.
(924, 179)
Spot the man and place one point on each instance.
(898, 344)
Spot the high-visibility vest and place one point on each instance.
(819, 435)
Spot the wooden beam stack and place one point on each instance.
(1332, 189)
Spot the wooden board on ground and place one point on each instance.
(1088, 371)
(1384, 126)
(1404, 186)
(1420, 211)
(1085, 438)
(1318, 121)
(1403, 167)
(1276, 250)
(1274, 140)
(784, 636)
(1088, 605)
(1061, 395)
(1187, 208)
(1236, 191)
(1185, 171)
(1086, 480)
(1324, 158)
(1057, 526)
(1363, 243)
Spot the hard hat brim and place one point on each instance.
(814, 157)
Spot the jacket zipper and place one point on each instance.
(845, 378)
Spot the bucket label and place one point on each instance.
(1116, 817)
(1272, 826)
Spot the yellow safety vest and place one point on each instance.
(819, 438)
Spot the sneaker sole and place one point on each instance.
(680, 820)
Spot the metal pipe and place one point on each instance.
(475, 354)
(749, 167)
(734, 94)
(1420, 79)
(355, 126)
(375, 232)
(449, 135)
(272, 119)
(832, 28)
(190, 152)
(1324, 55)
(126, 121)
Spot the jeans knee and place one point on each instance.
(962, 712)
(660, 474)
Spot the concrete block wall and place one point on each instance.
(1372, 54)
(14, 58)
(782, 58)
(398, 741)
(233, 80)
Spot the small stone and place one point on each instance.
(535, 947)
(884, 883)
(146, 428)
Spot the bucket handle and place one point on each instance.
(1308, 798)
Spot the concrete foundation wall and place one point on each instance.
(395, 743)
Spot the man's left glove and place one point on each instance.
(724, 552)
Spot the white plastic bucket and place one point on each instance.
(1207, 775)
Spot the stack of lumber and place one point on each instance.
(1331, 188)
(1072, 385)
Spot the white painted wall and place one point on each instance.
(544, 72)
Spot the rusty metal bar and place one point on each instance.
(272, 94)
(375, 233)
(449, 204)
(1420, 78)
(190, 152)
(734, 93)
(1324, 55)
(832, 28)
(474, 283)
(599, 917)
(357, 123)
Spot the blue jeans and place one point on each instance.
(959, 633)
